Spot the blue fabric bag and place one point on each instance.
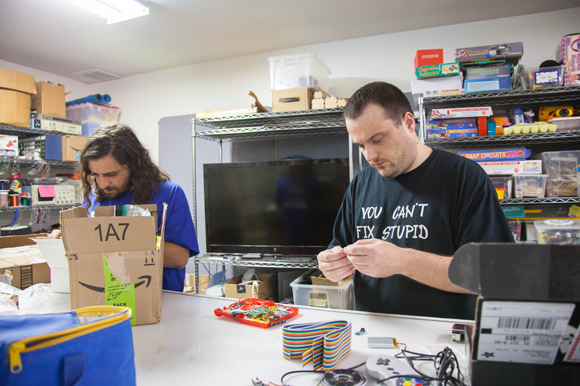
(88, 346)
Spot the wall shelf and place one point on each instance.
(504, 140)
(547, 200)
(15, 130)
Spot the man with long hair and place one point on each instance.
(402, 219)
(117, 170)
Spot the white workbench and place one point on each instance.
(190, 345)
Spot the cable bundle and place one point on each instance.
(324, 344)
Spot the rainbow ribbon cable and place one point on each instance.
(324, 344)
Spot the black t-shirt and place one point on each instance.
(444, 203)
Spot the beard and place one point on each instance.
(114, 193)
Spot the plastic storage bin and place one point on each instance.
(558, 231)
(323, 296)
(562, 170)
(92, 115)
(530, 186)
(503, 186)
(294, 71)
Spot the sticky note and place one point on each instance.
(46, 191)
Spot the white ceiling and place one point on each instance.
(59, 37)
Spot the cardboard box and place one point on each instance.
(15, 91)
(53, 251)
(291, 99)
(114, 261)
(568, 53)
(512, 167)
(20, 255)
(264, 290)
(190, 283)
(329, 283)
(437, 70)
(488, 72)
(461, 112)
(527, 312)
(49, 99)
(511, 52)
(449, 85)
(428, 57)
(484, 85)
(72, 146)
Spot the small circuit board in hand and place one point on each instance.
(258, 312)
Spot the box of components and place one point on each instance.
(562, 170)
(512, 167)
(527, 312)
(558, 231)
(533, 186)
(488, 72)
(461, 112)
(484, 85)
(115, 260)
(336, 296)
(51, 123)
(568, 53)
(437, 70)
(49, 146)
(9, 145)
(511, 52)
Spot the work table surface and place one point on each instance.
(190, 345)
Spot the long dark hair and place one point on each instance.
(120, 141)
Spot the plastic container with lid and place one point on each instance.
(338, 297)
(301, 70)
(503, 186)
(530, 186)
(562, 170)
(92, 116)
(558, 231)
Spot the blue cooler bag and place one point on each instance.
(89, 346)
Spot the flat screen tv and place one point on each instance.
(273, 208)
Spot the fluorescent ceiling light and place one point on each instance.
(114, 10)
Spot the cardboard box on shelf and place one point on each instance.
(72, 145)
(327, 282)
(21, 256)
(428, 57)
(115, 261)
(49, 99)
(263, 290)
(291, 99)
(190, 283)
(568, 53)
(15, 91)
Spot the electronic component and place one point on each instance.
(458, 332)
(258, 312)
(381, 342)
(51, 123)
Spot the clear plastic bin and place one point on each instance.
(92, 116)
(562, 170)
(338, 297)
(294, 71)
(558, 232)
(503, 186)
(530, 186)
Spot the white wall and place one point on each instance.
(146, 98)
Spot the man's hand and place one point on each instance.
(376, 258)
(55, 234)
(334, 264)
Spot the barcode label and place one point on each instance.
(522, 332)
(527, 323)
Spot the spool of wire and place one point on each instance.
(344, 378)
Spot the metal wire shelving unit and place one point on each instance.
(266, 262)
(273, 125)
(547, 200)
(504, 140)
(15, 130)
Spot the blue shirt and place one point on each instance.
(179, 227)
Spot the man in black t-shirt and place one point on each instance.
(402, 220)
